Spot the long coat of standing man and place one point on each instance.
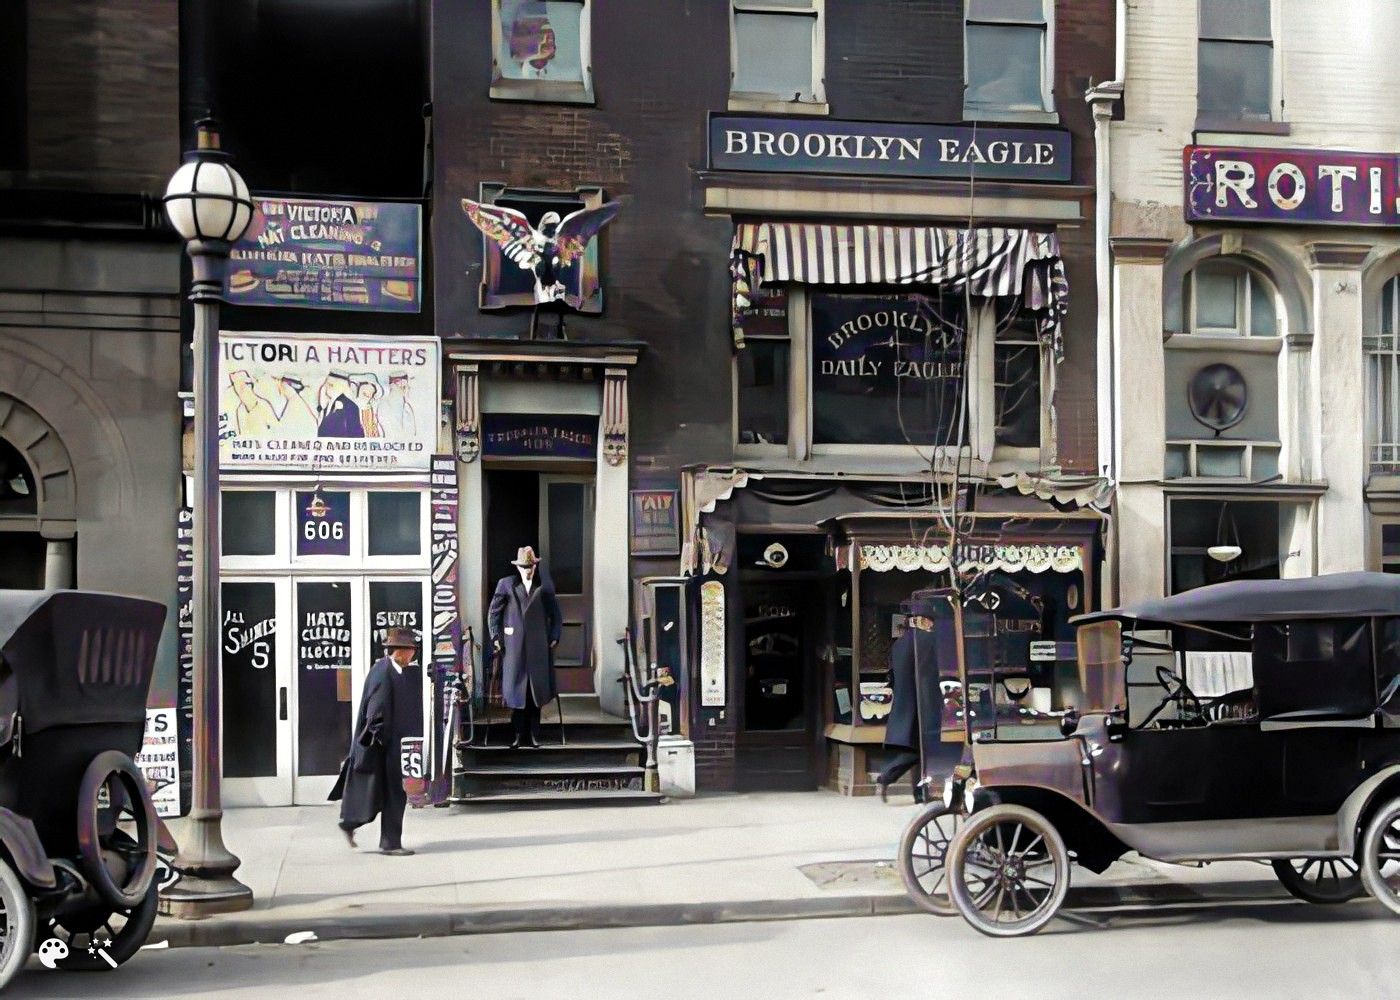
(524, 622)
(371, 779)
(914, 654)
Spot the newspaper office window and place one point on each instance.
(777, 51)
(1008, 57)
(1017, 383)
(764, 370)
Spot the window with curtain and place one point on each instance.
(1008, 53)
(1235, 60)
(777, 50)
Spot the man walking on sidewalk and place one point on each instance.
(371, 779)
(525, 623)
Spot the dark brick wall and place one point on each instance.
(103, 94)
(895, 60)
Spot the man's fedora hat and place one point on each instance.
(401, 638)
(525, 557)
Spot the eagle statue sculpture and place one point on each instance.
(544, 251)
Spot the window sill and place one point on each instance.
(543, 91)
(1205, 342)
(1026, 117)
(769, 105)
(1213, 125)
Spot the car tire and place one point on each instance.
(923, 856)
(17, 922)
(996, 851)
(89, 952)
(1322, 881)
(1380, 856)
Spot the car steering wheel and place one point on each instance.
(1176, 690)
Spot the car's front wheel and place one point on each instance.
(1008, 871)
(1380, 856)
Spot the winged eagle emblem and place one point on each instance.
(544, 251)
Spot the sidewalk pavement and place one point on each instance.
(712, 859)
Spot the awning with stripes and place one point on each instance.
(991, 262)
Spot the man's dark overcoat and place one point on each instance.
(391, 707)
(914, 655)
(527, 626)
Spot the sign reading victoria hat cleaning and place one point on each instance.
(887, 149)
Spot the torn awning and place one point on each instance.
(991, 262)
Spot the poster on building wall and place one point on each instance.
(328, 255)
(656, 527)
(446, 637)
(317, 403)
(184, 640)
(159, 760)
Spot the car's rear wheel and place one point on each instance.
(1380, 856)
(16, 924)
(1008, 871)
(923, 852)
(1324, 881)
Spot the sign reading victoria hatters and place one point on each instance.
(887, 149)
(1317, 187)
(328, 255)
(316, 403)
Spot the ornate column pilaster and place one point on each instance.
(615, 415)
(468, 413)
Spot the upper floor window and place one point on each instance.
(1230, 299)
(1383, 381)
(777, 55)
(1009, 57)
(1235, 60)
(541, 50)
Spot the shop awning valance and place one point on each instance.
(1034, 558)
(991, 262)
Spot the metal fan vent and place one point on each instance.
(1218, 396)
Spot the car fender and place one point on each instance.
(21, 840)
(1357, 803)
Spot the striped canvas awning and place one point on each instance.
(991, 262)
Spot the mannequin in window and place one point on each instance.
(524, 623)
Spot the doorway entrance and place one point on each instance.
(295, 652)
(778, 738)
(553, 513)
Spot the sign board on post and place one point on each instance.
(887, 149)
(1317, 187)
(328, 255)
(303, 402)
(159, 760)
(656, 523)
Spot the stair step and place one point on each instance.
(507, 772)
(549, 799)
(589, 746)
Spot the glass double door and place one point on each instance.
(295, 650)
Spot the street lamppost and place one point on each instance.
(209, 206)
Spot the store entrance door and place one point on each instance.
(291, 693)
(778, 738)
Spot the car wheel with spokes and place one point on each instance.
(16, 924)
(1321, 880)
(923, 851)
(1380, 856)
(1008, 871)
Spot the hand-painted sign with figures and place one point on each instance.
(311, 403)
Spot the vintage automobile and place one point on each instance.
(1289, 754)
(77, 825)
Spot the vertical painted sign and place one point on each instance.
(712, 644)
(184, 631)
(446, 627)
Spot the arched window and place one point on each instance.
(18, 492)
(1230, 298)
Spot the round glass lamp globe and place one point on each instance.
(208, 200)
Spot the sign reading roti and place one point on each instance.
(309, 402)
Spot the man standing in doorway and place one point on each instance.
(371, 778)
(524, 622)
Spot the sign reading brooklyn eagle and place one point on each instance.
(308, 402)
(328, 255)
(886, 369)
(888, 149)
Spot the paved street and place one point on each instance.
(1276, 950)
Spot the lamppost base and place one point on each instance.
(194, 897)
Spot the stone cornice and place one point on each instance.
(1139, 249)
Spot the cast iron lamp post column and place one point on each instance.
(209, 206)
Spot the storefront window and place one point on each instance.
(887, 369)
(1217, 540)
(395, 524)
(249, 523)
(1017, 361)
(249, 646)
(763, 391)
